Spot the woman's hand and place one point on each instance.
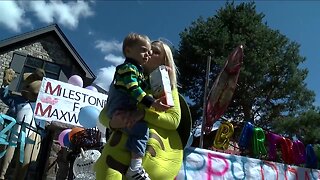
(159, 104)
(125, 119)
(168, 68)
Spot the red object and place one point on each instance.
(286, 150)
(74, 131)
(223, 88)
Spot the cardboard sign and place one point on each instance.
(59, 101)
(160, 84)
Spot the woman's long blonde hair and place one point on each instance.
(169, 61)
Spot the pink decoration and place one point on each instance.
(273, 140)
(92, 88)
(61, 136)
(76, 80)
(299, 152)
(223, 88)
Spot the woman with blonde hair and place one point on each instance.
(164, 153)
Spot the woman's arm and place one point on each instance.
(120, 119)
(169, 119)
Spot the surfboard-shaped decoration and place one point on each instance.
(223, 88)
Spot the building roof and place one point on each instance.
(54, 28)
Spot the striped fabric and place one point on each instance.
(130, 77)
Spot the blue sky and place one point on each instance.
(97, 28)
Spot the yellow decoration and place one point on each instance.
(222, 138)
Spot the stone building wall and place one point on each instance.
(54, 163)
(46, 48)
(5, 60)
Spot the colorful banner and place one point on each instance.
(210, 165)
(59, 101)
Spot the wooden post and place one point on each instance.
(205, 101)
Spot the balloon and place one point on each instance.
(92, 88)
(61, 136)
(286, 150)
(66, 140)
(311, 158)
(258, 142)
(76, 80)
(88, 116)
(273, 141)
(222, 138)
(74, 131)
(246, 136)
(220, 95)
(299, 152)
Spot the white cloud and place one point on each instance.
(104, 77)
(116, 60)
(12, 16)
(68, 14)
(109, 46)
(46, 16)
(109, 49)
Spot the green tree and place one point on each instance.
(305, 127)
(271, 83)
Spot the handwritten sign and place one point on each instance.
(59, 101)
(210, 165)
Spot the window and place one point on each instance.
(52, 70)
(26, 64)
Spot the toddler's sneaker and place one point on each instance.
(139, 174)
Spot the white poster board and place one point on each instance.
(211, 165)
(59, 101)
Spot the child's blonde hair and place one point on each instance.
(131, 39)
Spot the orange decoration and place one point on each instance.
(74, 131)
